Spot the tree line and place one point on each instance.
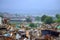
(49, 19)
(46, 19)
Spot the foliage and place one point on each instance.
(37, 18)
(32, 25)
(57, 16)
(57, 20)
(48, 20)
(43, 17)
(28, 19)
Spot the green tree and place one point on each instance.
(28, 19)
(37, 18)
(57, 16)
(57, 20)
(43, 17)
(32, 25)
(48, 20)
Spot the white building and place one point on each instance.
(0, 20)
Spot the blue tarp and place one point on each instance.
(50, 32)
(8, 35)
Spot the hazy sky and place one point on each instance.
(30, 7)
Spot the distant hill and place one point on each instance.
(32, 13)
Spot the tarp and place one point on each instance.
(50, 32)
(58, 27)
